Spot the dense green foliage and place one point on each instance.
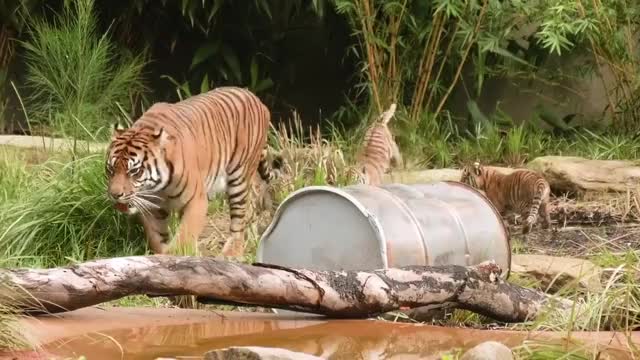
(58, 212)
(419, 54)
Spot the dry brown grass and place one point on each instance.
(315, 161)
(597, 209)
(11, 336)
(307, 159)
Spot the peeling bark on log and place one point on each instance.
(351, 294)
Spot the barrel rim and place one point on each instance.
(505, 230)
(331, 189)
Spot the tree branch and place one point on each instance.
(352, 294)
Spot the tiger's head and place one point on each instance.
(137, 168)
(473, 175)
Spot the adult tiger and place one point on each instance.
(379, 151)
(177, 156)
(523, 191)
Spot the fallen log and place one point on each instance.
(345, 294)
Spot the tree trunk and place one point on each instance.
(351, 294)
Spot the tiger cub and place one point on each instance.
(176, 157)
(379, 151)
(523, 191)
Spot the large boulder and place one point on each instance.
(556, 272)
(489, 350)
(578, 175)
(256, 353)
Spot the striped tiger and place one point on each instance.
(178, 156)
(379, 151)
(523, 191)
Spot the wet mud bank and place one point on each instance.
(145, 333)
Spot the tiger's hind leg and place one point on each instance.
(546, 217)
(238, 187)
(538, 203)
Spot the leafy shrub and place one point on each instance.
(77, 77)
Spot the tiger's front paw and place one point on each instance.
(233, 247)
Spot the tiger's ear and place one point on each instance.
(116, 130)
(162, 137)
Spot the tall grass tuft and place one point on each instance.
(65, 216)
(615, 308)
(10, 336)
(15, 176)
(308, 159)
(77, 76)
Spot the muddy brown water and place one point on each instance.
(129, 333)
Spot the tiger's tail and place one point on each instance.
(268, 172)
(386, 116)
(541, 193)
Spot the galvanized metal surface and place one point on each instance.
(364, 227)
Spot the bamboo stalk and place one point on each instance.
(599, 65)
(442, 63)
(424, 69)
(463, 60)
(371, 52)
(420, 76)
(392, 73)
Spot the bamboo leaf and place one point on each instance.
(203, 53)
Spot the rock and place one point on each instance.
(555, 272)
(578, 175)
(256, 353)
(490, 350)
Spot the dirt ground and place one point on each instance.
(605, 223)
(585, 228)
(580, 241)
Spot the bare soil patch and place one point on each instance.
(584, 228)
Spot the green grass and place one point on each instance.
(437, 144)
(64, 216)
(616, 308)
(77, 77)
(539, 350)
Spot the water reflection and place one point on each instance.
(335, 340)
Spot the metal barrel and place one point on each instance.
(362, 227)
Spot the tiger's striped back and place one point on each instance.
(379, 151)
(177, 156)
(523, 191)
